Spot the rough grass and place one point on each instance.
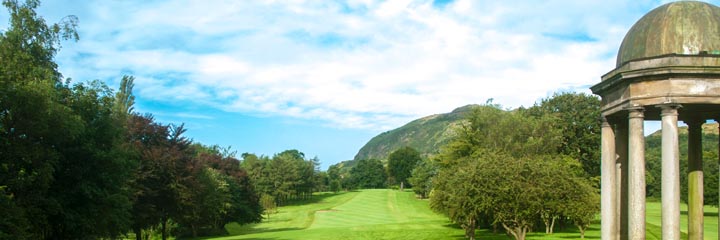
(391, 214)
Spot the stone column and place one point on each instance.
(695, 179)
(621, 149)
(670, 174)
(620, 194)
(608, 191)
(636, 174)
(718, 121)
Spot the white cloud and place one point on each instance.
(358, 64)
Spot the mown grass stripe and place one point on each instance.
(391, 214)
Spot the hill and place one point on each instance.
(425, 135)
(708, 129)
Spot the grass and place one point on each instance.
(366, 214)
(391, 214)
(654, 221)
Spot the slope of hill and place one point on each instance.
(708, 128)
(426, 135)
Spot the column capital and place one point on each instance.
(636, 112)
(669, 109)
(604, 121)
(694, 121)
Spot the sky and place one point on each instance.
(324, 77)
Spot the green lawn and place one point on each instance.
(391, 214)
(654, 221)
(366, 214)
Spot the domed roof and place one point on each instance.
(685, 27)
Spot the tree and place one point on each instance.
(580, 128)
(93, 172)
(164, 155)
(145, 137)
(243, 206)
(286, 176)
(256, 168)
(334, 178)
(563, 183)
(124, 99)
(401, 163)
(368, 173)
(456, 196)
(33, 120)
(504, 168)
(421, 179)
(322, 182)
(583, 205)
(268, 204)
(205, 201)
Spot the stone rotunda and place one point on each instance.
(668, 69)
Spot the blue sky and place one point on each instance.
(324, 77)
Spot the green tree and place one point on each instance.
(124, 99)
(563, 181)
(256, 169)
(401, 163)
(583, 204)
(334, 178)
(243, 206)
(368, 173)
(322, 182)
(33, 120)
(580, 128)
(94, 170)
(421, 179)
(206, 198)
(502, 169)
(286, 176)
(457, 196)
(268, 204)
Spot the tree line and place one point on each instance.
(286, 176)
(78, 162)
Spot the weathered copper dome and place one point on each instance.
(685, 27)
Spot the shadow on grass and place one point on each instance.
(316, 198)
(578, 236)
(653, 231)
(253, 231)
(706, 214)
(452, 225)
(235, 237)
(568, 232)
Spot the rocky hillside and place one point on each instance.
(426, 135)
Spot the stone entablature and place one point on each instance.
(673, 78)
